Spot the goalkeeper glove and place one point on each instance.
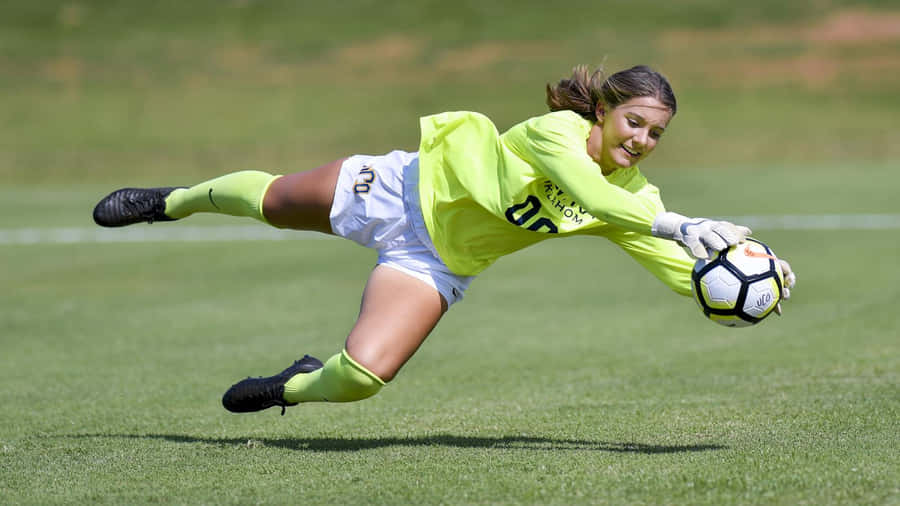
(698, 235)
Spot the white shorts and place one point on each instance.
(376, 204)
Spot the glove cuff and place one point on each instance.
(667, 225)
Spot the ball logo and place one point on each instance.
(757, 254)
(764, 300)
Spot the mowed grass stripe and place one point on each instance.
(181, 233)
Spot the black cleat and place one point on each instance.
(132, 205)
(257, 394)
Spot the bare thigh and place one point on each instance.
(398, 312)
(303, 200)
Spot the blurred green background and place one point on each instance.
(105, 91)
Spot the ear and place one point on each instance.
(600, 112)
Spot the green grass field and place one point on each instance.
(605, 388)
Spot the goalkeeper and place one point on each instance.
(439, 216)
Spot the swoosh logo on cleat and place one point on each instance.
(211, 201)
(756, 254)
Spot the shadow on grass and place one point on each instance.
(357, 444)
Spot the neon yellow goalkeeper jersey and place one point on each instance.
(485, 195)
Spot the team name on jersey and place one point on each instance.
(568, 208)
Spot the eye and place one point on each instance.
(655, 134)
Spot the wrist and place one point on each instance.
(667, 225)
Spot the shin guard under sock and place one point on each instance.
(238, 194)
(341, 379)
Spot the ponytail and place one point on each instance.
(578, 93)
(582, 92)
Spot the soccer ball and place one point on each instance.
(740, 286)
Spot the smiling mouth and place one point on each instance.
(630, 152)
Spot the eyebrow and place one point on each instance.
(645, 120)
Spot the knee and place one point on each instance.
(346, 380)
(374, 363)
(295, 201)
(276, 197)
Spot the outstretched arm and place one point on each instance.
(664, 259)
(554, 144)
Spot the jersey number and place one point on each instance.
(531, 205)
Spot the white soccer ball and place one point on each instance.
(740, 286)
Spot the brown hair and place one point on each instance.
(584, 90)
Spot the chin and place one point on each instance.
(624, 164)
(620, 162)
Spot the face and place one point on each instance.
(625, 135)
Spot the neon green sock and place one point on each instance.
(238, 194)
(341, 379)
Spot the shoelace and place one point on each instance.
(143, 208)
(275, 401)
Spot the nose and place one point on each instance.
(640, 138)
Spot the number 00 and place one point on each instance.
(533, 205)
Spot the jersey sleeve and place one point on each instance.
(666, 260)
(557, 146)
